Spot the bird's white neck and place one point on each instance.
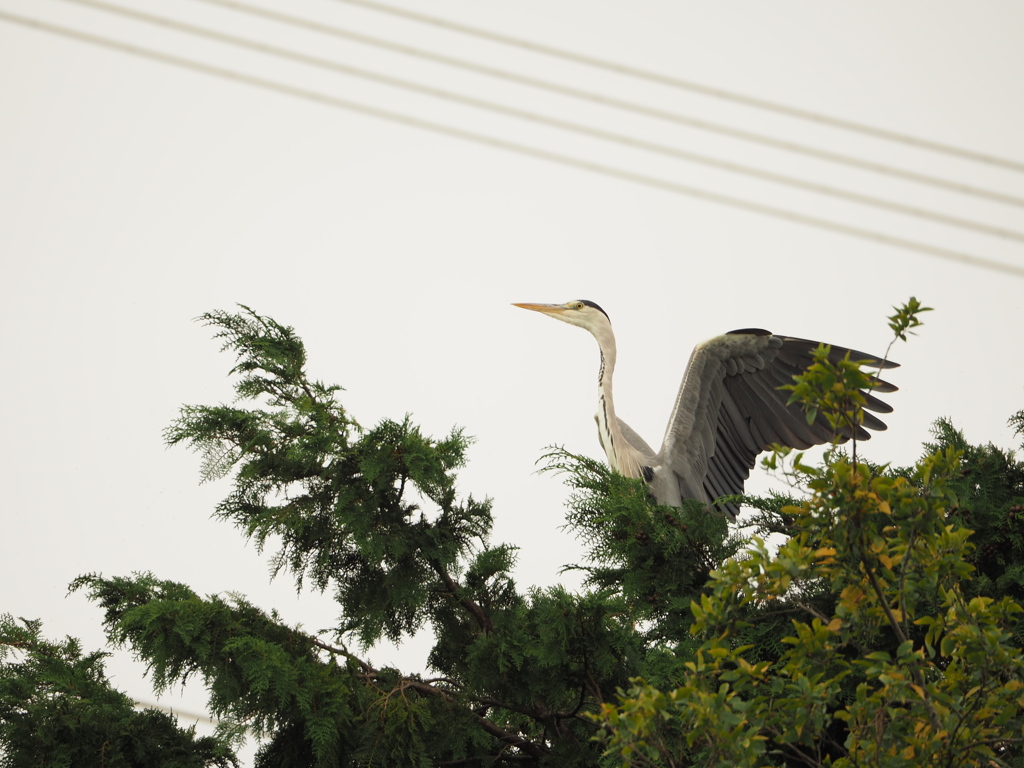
(621, 455)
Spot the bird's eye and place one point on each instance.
(579, 305)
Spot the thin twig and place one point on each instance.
(933, 716)
(342, 651)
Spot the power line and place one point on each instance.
(565, 125)
(626, 106)
(139, 704)
(521, 149)
(718, 93)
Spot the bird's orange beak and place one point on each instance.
(547, 309)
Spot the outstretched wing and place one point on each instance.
(730, 409)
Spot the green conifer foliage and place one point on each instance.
(373, 515)
(988, 499)
(57, 708)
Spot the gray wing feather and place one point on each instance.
(730, 408)
(635, 440)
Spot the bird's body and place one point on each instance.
(728, 410)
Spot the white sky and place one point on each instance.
(135, 195)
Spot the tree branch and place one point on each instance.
(342, 651)
(534, 750)
(933, 716)
(478, 613)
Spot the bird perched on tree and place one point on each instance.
(728, 410)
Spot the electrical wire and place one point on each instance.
(192, 716)
(521, 149)
(718, 93)
(533, 117)
(626, 106)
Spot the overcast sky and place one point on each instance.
(136, 194)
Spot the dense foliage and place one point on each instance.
(884, 630)
(57, 708)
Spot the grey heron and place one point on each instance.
(729, 409)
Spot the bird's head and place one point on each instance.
(585, 314)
